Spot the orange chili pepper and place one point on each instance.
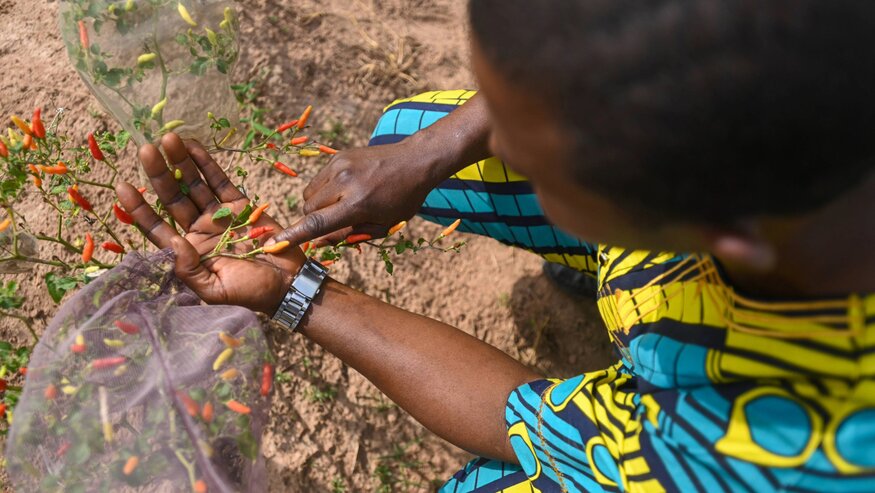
(37, 182)
(122, 215)
(285, 169)
(302, 122)
(27, 143)
(352, 239)
(142, 190)
(131, 465)
(207, 412)
(4, 151)
(327, 263)
(96, 153)
(286, 126)
(238, 408)
(33, 169)
(60, 169)
(83, 36)
(256, 214)
(276, 247)
(451, 228)
(190, 404)
(200, 486)
(327, 150)
(299, 140)
(77, 197)
(5, 224)
(111, 246)
(228, 340)
(39, 130)
(88, 249)
(398, 227)
(24, 127)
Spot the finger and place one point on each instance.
(332, 238)
(320, 180)
(372, 230)
(212, 172)
(198, 191)
(319, 223)
(156, 230)
(326, 197)
(192, 272)
(180, 207)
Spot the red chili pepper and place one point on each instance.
(285, 169)
(259, 231)
(299, 140)
(88, 249)
(302, 122)
(352, 239)
(51, 392)
(200, 486)
(62, 449)
(4, 151)
(122, 215)
(23, 371)
(96, 153)
(127, 327)
(104, 363)
(39, 130)
(83, 36)
(327, 263)
(327, 150)
(78, 348)
(113, 247)
(256, 214)
(142, 190)
(79, 199)
(191, 406)
(286, 126)
(266, 379)
(2, 410)
(2, 385)
(271, 146)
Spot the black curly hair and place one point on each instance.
(701, 110)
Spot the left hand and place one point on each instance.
(258, 284)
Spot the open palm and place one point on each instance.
(258, 284)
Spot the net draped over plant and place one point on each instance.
(156, 65)
(136, 383)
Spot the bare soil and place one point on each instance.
(331, 430)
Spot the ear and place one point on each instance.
(741, 244)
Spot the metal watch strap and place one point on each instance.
(304, 288)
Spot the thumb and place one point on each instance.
(189, 267)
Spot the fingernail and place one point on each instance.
(270, 241)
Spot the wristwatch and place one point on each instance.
(305, 287)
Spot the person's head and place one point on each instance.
(679, 123)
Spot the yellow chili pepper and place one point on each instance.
(229, 15)
(129, 6)
(309, 152)
(177, 173)
(120, 370)
(223, 358)
(146, 58)
(171, 125)
(114, 343)
(156, 110)
(24, 127)
(230, 374)
(398, 227)
(69, 389)
(211, 35)
(186, 16)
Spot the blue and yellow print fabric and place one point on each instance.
(713, 391)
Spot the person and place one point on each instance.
(716, 156)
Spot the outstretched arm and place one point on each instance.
(454, 384)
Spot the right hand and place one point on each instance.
(366, 190)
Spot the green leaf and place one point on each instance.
(9, 297)
(261, 128)
(222, 213)
(247, 444)
(59, 286)
(243, 216)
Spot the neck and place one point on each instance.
(825, 254)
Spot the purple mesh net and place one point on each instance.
(138, 386)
